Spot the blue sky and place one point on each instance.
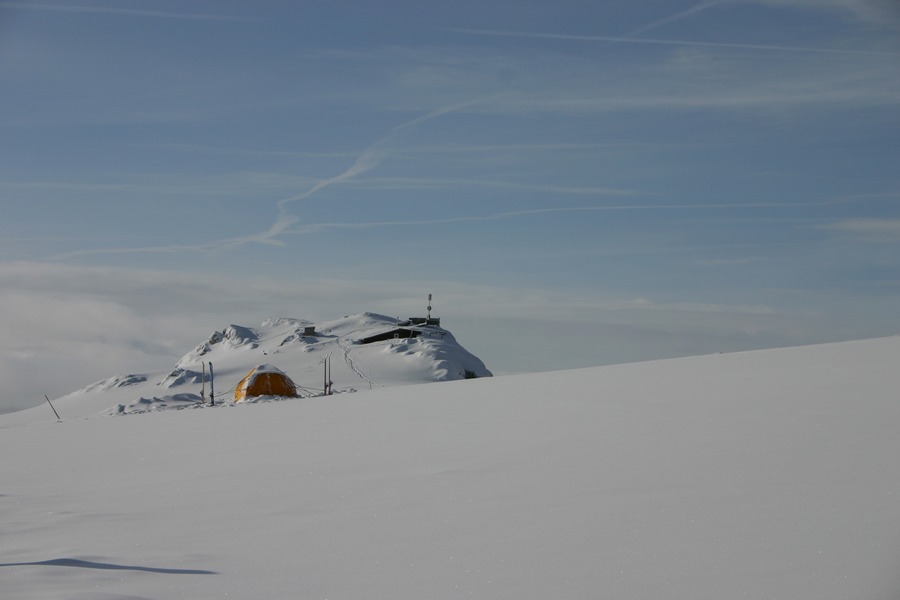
(578, 183)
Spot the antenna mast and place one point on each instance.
(429, 307)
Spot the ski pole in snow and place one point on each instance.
(51, 406)
(326, 375)
(212, 396)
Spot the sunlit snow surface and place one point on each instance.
(769, 474)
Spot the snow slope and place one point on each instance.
(769, 474)
(434, 355)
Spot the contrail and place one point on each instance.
(676, 17)
(372, 156)
(268, 237)
(662, 42)
(367, 160)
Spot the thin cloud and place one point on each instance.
(879, 13)
(268, 237)
(541, 81)
(866, 197)
(231, 151)
(284, 225)
(868, 229)
(319, 227)
(663, 42)
(122, 12)
(413, 183)
(208, 247)
(551, 146)
(729, 262)
(676, 17)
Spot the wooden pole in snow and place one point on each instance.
(51, 406)
(203, 382)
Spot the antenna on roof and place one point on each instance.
(424, 321)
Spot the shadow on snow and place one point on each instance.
(87, 564)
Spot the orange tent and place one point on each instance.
(265, 380)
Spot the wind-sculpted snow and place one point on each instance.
(118, 381)
(769, 474)
(236, 336)
(181, 377)
(176, 401)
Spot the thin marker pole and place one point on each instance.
(51, 406)
(212, 396)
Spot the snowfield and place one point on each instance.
(768, 474)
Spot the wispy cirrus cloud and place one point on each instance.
(269, 237)
(876, 230)
(122, 12)
(539, 80)
(501, 216)
(235, 184)
(252, 152)
(879, 13)
(672, 42)
(291, 225)
(431, 183)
